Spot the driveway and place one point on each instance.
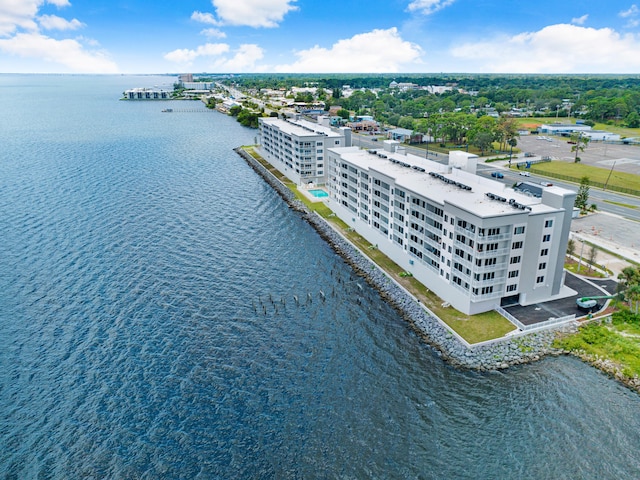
(541, 312)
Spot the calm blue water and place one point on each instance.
(149, 329)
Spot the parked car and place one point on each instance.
(525, 174)
(497, 175)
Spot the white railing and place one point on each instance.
(546, 323)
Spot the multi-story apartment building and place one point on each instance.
(473, 241)
(297, 148)
(147, 94)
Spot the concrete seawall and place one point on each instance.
(512, 350)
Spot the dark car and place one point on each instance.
(497, 175)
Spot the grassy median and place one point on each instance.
(571, 171)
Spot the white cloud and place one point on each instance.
(555, 49)
(213, 33)
(20, 36)
(68, 53)
(631, 12)
(244, 60)
(186, 57)
(53, 22)
(20, 14)
(59, 3)
(632, 15)
(17, 14)
(375, 51)
(215, 57)
(253, 13)
(580, 20)
(427, 7)
(207, 18)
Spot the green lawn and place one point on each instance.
(585, 271)
(473, 329)
(595, 174)
(620, 204)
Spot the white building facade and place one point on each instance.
(298, 148)
(147, 94)
(473, 241)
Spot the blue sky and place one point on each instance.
(319, 36)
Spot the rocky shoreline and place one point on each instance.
(513, 350)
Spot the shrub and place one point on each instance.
(625, 316)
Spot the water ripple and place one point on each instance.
(162, 318)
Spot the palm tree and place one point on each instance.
(633, 295)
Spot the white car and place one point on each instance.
(525, 174)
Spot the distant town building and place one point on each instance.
(203, 86)
(363, 125)
(404, 135)
(563, 128)
(147, 94)
(404, 86)
(602, 136)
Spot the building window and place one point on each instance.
(548, 223)
(511, 288)
(518, 231)
(542, 266)
(544, 252)
(516, 245)
(546, 238)
(514, 260)
(540, 279)
(514, 274)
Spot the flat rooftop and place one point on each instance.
(478, 195)
(301, 128)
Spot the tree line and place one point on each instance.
(596, 98)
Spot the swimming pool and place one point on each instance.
(318, 193)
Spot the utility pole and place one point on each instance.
(610, 172)
(581, 250)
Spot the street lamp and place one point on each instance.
(427, 155)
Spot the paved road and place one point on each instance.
(602, 199)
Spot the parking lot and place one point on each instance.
(598, 154)
(541, 312)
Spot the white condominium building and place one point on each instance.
(473, 241)
(298, 148)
